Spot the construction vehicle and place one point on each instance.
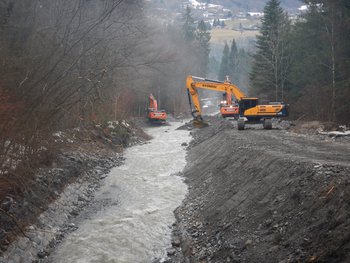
(249, 109)
(153, 114)
(228, 108)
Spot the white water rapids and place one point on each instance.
(146, 190)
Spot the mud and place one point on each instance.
(263, 196)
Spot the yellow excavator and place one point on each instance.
(250, 111)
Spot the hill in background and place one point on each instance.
(238, 5)
(254, 5)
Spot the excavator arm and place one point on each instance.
(228, 98)
(195, 83)
(153, 114)
(153, 103)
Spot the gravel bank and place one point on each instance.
(263, 196)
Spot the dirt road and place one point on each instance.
(264, 196)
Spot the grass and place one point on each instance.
(227, 34)
(221, 35)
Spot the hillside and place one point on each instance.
(237, 5)
(254, 5)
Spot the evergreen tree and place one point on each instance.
(222, 24)
(240, 27)
(321, 58)
(188, 27)
(208, 25)
(233, 62)
(271, 61)
(203, 38)
(243, 69)
(213, 67)
(224, 65)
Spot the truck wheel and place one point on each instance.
(240, 124)
(267, 124)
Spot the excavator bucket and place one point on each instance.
(199, 123)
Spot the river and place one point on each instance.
(144, 193)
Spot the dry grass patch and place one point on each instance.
(221, 35)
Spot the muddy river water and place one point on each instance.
(144, 193)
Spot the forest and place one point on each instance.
(304, 62)
(76, 64)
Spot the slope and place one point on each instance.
(264, 196)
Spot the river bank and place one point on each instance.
(263, 196)
(35, 221)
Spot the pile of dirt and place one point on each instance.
(263, 196)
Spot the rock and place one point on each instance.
(184, 144)
(7, 203)
(236, 241)
(248, 242)
(176, 242)
(235, 258)
(82, 198)
(42, 254)
(202, 254)
(241, 216)
(274, 248)
(227, 225)
(74, 213)
(23, 243)
(171, 252)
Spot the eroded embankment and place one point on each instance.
(35, 220)
(264, 196)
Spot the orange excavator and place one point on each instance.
(250, 111)
(153, 114)
(228, 108)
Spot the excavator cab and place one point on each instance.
(228, 107)
(247, 103)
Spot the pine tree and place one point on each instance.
(222, 24)
(240, 27)
(224, 65)
(233, 62)
(188, 27)
(203, 38)
(213, 66)
(271, 61)
(243, 67)
(209, 27)
(321, 59)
